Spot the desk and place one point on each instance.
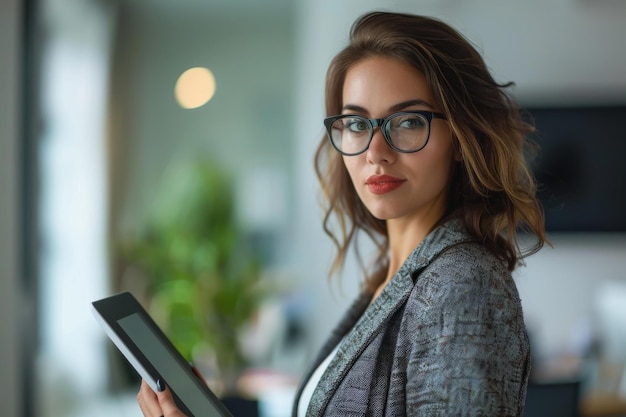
(602, 405)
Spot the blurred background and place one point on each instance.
(122, 170)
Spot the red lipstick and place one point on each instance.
(381, 184)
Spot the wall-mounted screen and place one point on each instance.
(581, 167)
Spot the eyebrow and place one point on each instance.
(394, 108)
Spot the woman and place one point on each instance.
(425, 154)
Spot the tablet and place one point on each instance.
(154, 356)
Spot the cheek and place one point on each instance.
(439, 165)
(354, 169)
(351, 164)
(445, 150)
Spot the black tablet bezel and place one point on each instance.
(119, 306)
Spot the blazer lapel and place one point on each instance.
(375, 317)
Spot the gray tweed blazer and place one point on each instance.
(446, 337)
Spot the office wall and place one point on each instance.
(10, 26)
(559, 52)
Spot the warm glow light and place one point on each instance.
(195, 87)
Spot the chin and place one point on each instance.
(383, 215)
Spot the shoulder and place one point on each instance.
(453, 275)
(466, 278)
(468, 263)
(449, 251)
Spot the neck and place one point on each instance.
(404, 237)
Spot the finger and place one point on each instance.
(148, 401)
(166, 401)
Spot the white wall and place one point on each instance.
(559, 51)
(10, 383)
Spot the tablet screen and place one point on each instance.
(140, 333)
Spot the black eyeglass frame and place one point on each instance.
(382, 123)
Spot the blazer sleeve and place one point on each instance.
(468, 351)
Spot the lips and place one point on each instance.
(381, 184)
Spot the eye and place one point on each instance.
(410, 122)
(356, 125)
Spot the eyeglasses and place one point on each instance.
(405, 132)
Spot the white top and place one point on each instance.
(311, 384)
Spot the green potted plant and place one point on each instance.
(202, 282)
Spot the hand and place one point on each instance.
(159, 404)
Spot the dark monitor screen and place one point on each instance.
(581, 167)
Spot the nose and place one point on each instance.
(379, 150)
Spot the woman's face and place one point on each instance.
(394, 185)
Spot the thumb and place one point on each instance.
(166, 401)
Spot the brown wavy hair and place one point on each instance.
(493, 188)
